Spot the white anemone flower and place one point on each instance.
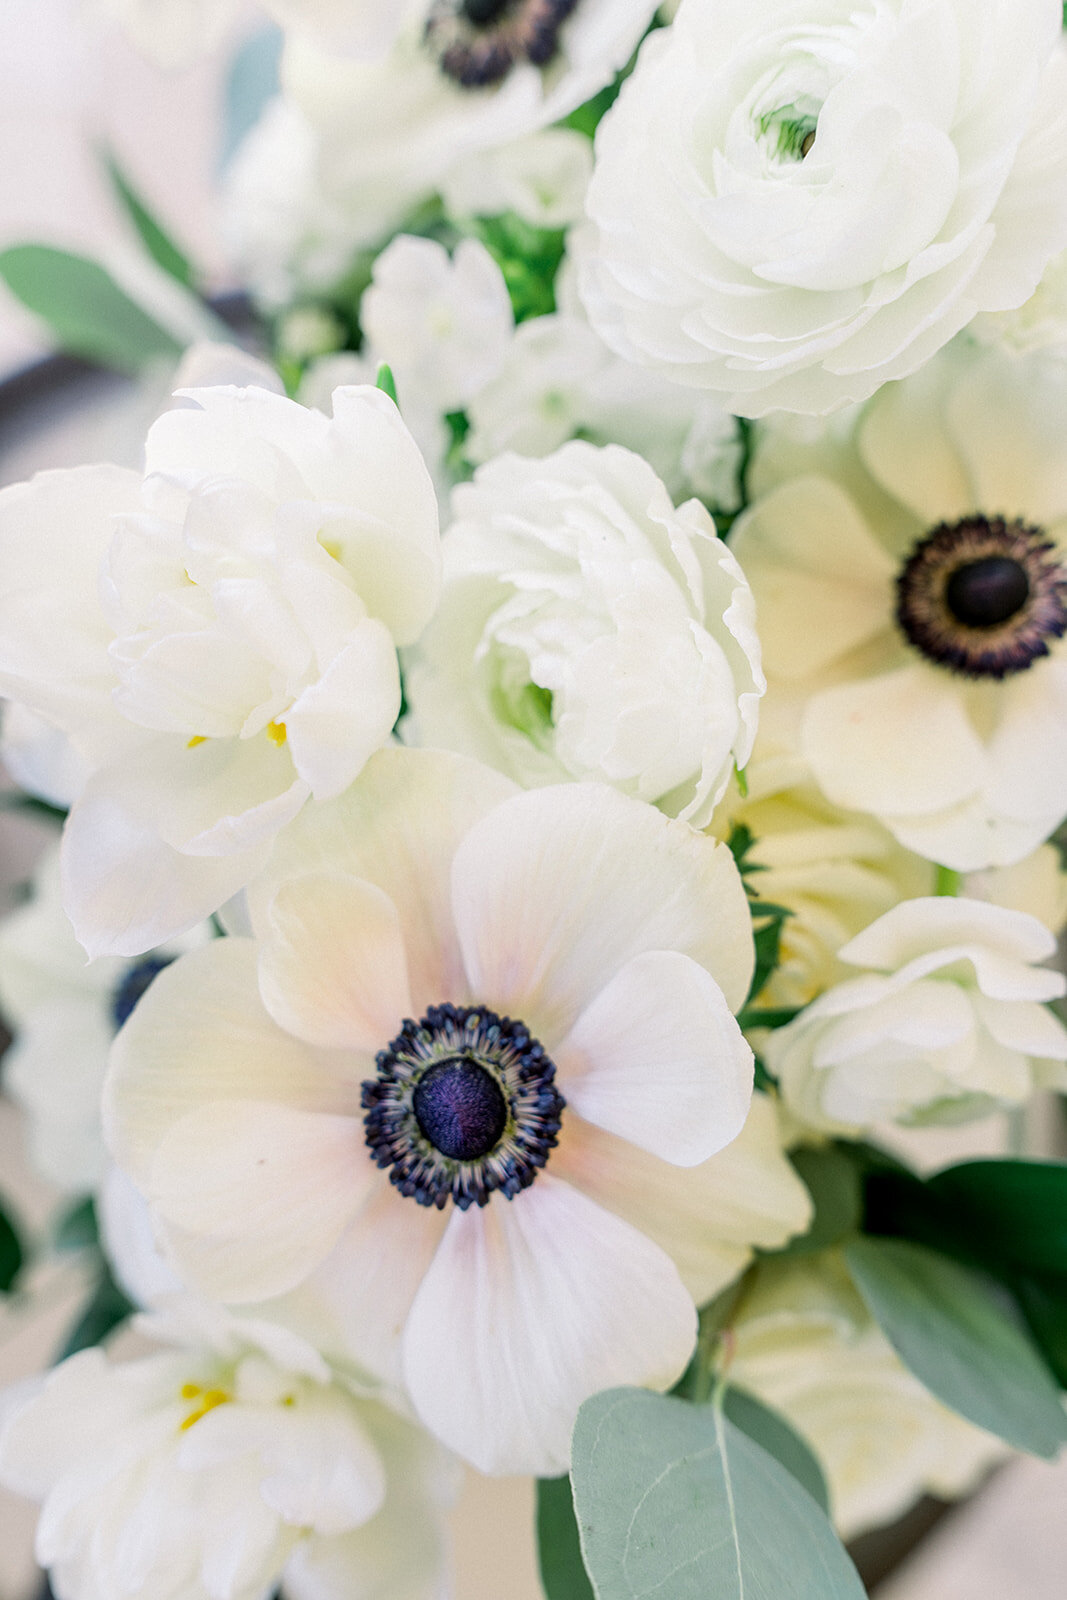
(948, 1019)
(214, 1469)
(475, 1069)
(590, 629)
(913, 606)
(219, 640)
(64, 1013)
(797, 201)
(805, 1344)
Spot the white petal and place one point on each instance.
(898, 744)
(267, 1188)
(556, 889)
(1024, 1026)
(198, 1035)
(658, 1058)
(932, 922)
(518, 1321)
(337, 724)
(708, 1218)
(332, 968)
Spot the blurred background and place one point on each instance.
(70, 87)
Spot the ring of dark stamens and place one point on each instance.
(478, 42)
(464, 1106)
(983, 597)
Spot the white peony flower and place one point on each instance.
(588, 629)
(219, 641)
(835, 872)
(211, 1470)
(913, 613)
(541, 177)
(535, 1152)
(806, 1345)
(442, 323)
(794, 203)
(64, 1013)
(948, 1018)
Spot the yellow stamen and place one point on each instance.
(190, 1391)
(198, 738)
(332, 547)
(209, 1400)
(276, 732)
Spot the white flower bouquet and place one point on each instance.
(560, 755)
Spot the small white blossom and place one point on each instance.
(950, 1016)
(589, 629)
(806, 1345)
(541, 177)
(793, 206)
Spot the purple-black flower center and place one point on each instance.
(983, 597)
(460, 1109)
(464, 1106)
(478, 42)
(133, 984)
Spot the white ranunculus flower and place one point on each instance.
(949, 1018)
(219, 640)
(541, 177)
(806, 1345)
(834, 870)
(442, 323)
(64, 1013)
(794, 203)
(211, 1470)
(588, 629)
(912, 607)
(562, 1133)
(40, 759)
(1040, 323)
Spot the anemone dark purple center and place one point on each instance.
(983, 597)
(464, 1106)
(478, 42)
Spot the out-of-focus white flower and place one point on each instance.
(541, 177)
(211, 1470)
(949, 1018)
(1037, 885)
(806, 1345)
(834, 870)
(40, 759)
(219, 641)
(793, 206)
(65, 1012)
(170, 32)
(559, 378)
(588, 629)
(539, 1149)
(1040, 323)
(912, 608)
(357, 145)
(442, 323)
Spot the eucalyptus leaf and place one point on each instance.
(11, 1255)
(1018, 1209)
(105, 1310)
(675, 1502)
(160, 246)
(833, 1181)
(559, 1551)
(963, 1339)
(87, 312)
(1044, 1305)
(773, 1433)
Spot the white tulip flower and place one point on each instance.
(949, 1018)
(564, 1131)
(795, 202)
(589, 629)
(218, 640)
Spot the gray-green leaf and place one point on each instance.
(676, 1503)
(156, 240)
(774, 1434)
(559, 1553)
(959, 1335)
(87, 312)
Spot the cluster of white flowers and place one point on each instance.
(521, 790)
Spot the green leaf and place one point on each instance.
(1044, 1305)
(11, 1255)
(559, 1551)
(160, 246)
(385, 381)
(774, 1434)
(1016, 1209)
(88, 313)
(106, 1309)
(675, 1502)
(833, 1181)
(962, 1338)
(77, 1228)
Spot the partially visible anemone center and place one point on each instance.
(983, 597)
(464, 1106)
(133, 984)
(478, 42)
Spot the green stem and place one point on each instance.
(947, 881)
